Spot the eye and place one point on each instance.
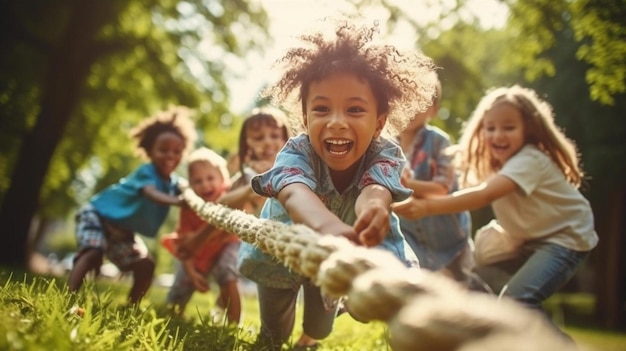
(356, 109)
(320, 109)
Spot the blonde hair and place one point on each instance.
(476, 162)
(401, 81)
(211, 157)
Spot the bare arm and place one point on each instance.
(237, 197)
(190, 243)
(160, 197)
(372, 210)
(425, 188)
(303, 206)
(462, 200)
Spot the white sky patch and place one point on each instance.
(289, 18)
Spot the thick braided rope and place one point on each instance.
(424, 311)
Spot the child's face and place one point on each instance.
(166, 153)
(206, 180)
(264, 142)
(503, 130)
(341, 119)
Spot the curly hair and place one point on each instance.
(476, 162)
(176, 120)
(400, 81)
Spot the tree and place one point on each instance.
(82, 72)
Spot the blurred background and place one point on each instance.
(76, 75)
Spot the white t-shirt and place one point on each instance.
(545, 206)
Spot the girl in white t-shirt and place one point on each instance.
(514, 157)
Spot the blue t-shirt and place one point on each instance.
(125, 205)
(436, 240)
(297, 162)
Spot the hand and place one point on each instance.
(183, 183)
(197, 279)
(187, 245)
(410, 208)
(372, 225)
(200, 282)
(338, 228)
(406, 177)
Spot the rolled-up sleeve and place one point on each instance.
(292, 165)
(384, 165)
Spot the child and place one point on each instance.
(441, 243)
(139, 203)
(341, 176)
(528, 171)
(209, 179)
(262, 135)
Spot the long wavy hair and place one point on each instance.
(476, 162)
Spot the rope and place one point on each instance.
(424, 311)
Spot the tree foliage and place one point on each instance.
(76, 75)
(599, 28)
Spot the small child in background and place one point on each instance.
(139, 203)
(443, 242)
(517, 159)
(340, 177)
(217, 254)
(262, 135)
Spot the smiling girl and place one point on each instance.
(527, 169)
(340, 175)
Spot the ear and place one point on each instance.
(380, 124)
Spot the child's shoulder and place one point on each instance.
(383, 145)
(436, 131)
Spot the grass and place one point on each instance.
(37, 313)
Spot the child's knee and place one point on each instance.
(90, 257)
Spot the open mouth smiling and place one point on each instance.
(338, 146)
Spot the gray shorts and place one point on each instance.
(224, 271)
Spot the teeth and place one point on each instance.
(338, 142)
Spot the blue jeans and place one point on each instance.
(542, 270)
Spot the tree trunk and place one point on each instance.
(611, 271)
(67, 71)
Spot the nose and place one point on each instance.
(337, 120)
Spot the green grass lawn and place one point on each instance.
(36, 314)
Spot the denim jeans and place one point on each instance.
(540, 272)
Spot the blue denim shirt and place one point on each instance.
(297, 162)
(436, 240)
